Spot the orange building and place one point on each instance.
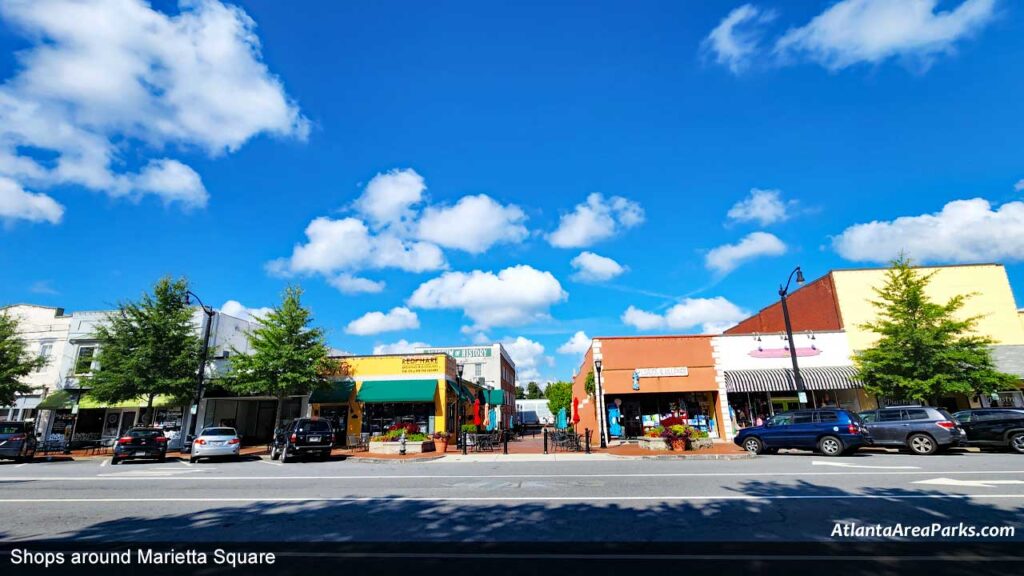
(644, 379)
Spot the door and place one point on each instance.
(802, 432)
(776, 431)
(990, 427)
(633, 422)
(889, 429)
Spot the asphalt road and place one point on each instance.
(772, 498)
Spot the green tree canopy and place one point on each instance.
(147, 348)
(520, 393)
(289, 356)
(925, 351)
(559, 395)
(16, 361)
(534, 392)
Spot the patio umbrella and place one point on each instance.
(575, 410)
(476, 412)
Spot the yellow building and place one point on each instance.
(376, 392)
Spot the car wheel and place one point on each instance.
(162, 458)
(753, 445)
(192, 459)
(922, 444)
(830, 446)
(273, 453)
(114, 461)
(1017, 442)
(285, 456)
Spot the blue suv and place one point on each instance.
(831, 431)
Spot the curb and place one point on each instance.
(747, 456)
(371, 460)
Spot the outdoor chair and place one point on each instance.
(355, 442)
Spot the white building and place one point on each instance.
(44, 329)
(489, 366)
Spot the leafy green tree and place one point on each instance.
(534, 392)
(925, 351)
(559, 395)
(289, 357)
(16, 361)
(588, 385)
(147, 348)
(520, 393)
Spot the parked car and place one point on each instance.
(140, 442)
(17, 441)
(831, 431)
(216, 442)
(301, 437)
(921, 429)
(993, 427)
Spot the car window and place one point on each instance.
(780, 420)
(11, 428)
(828, 417)
(868, 417)
(962, 416)
(218, 432)
(917, 414)
(890, 415)
(803, 418)
(142, 433)
(314, 426)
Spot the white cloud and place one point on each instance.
(577, 345)
(512, 297)
(18, 204)
(591, 267)
(350, 284)
(728, 257)
(102, 77)
(389, 198)
(762, 206)
(1019, 186)
(236, 309)
(872, 31)
(735, 40)
(401, 347)
(963, 231)
(376, 322)
(713, 315)
(474, 224)
(529, 358)
(596, 220)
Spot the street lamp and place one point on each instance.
(201, 372)
(459, 368)
(783, 293)
(602, 424)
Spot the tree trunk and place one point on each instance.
(277, 415)
(149, 410)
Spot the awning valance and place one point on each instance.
(397, 391)
(57, 400)
(65, 399)
(781, 379)
(337, 393)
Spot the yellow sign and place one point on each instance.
(421, 365)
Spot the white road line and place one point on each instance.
(189, 464)
(749, 475)
(845, 465)
(104, 463)
(19, 465)
(271, 463)
(300, 499)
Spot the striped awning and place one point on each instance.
(781, 379)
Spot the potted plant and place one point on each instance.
(678, 436)
(441, 441)
(654, 439)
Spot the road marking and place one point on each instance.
(104, 463)
(189, 464)
(19, 465)
(844, 465)
(747, 475)
(887, 497)
(971, 483)
(271, 463)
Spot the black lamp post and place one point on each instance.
(600, 403)
(783, 292)
(459, 368)
(201, 372)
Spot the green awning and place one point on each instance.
(65, 399)
(397, 391)
(337, 393)
(57, 400)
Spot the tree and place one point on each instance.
(559, 395)
(289, 356)
(925, 351)
(520, 393)
(147, 349)
(588, 384)
(534, 392)
(16, 361)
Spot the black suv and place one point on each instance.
(148, 443)
(17, 441)
(922, 429)
(993, 427)
(301, 437)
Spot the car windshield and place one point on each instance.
(218, 432)
(313, 426)
(143, 433)
(10, 428)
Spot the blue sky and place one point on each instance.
(440, 158)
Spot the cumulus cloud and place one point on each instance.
(963, 231)
(529, 358)
(595, 220)
(591, 267)
(762, 206)
(512, 297)
(389, 197)
(1019, 186)
(474, 224)
(401, 347)
(100, 77)
(712, 315)
(399, 318)
(18, 204)
(736, 38)
(238, 310)
(349, 284)
(872, 31)
(726, 258)
(577, 345)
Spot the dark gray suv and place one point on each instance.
(921, 429)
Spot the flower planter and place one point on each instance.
(654, 444)
(396, 447)
(678, 445)
(441, 444)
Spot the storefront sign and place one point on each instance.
(662, 372)
(461, 352)
(421, 365)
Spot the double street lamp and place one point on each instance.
(190, 421)
(783, 293)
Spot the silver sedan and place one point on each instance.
(216, 442)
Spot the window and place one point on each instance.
(45, 349)
(478, 369)
(314, 426)
(780, 420)
(218, 432)
(962, 416)
(828, 417)
(890, 415)
(868, 417)
(917, 414)
(83, 365)
(803, 418)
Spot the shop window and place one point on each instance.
(83, 364)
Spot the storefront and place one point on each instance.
(84, 420)
(1009, 359)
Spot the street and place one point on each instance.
(788, 497)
